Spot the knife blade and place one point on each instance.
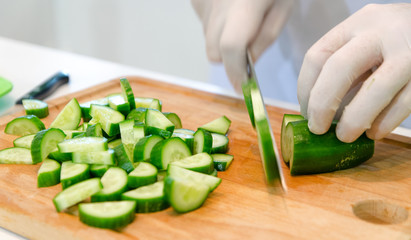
(260, 121)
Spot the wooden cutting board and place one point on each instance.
(371, 201)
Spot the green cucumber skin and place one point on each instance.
(138, 114)
(159, 132)
(128, 92)
(157, 156)
(325, 153)
(148, 205)
(31, 118)
(37, 153)
(60, 157)
(65, 183)
(207, 143)
(122, 158)
(50, 178)
(246, 87)
(286, 119)
(141, 150)
(138, 181)
(98, 170)
(174, 118)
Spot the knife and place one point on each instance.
(260, 121)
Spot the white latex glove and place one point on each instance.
(372, 44)
(230, 26)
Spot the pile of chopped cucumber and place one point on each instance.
(120, 155)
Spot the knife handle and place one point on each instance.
(46, 88)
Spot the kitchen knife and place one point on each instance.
(260, 121)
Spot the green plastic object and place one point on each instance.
(5, 86)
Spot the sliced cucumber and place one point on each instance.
(85, 107)
(214, 173)
(16, 155)
(127, 92)
(24, 141)
(155, 118)
(200, 162)
(219, 125)
(111, 215)
(168, 151)
(138, 114)
(101, 157)
(117, 102)
(149, 198)
(222, 161)
(286, 119)
(122, 158)
(246, 87)
(69, 118)
(143, 174)
(98, 170)
(220, 143)
(83, 144)
(108, 118)
(25, 125)
(139, 131)
(45, 142)
(114, 183)
(187, 136)
(161, 174)
(114, 143)
(36, 107)
(76, 193)
(48, 174)
(159, 132)
(179, 172)
(144, 146)
(309, 153)
(72, 173)
(174, 118)
(203, 141)
(59, 156)
(94, 130)
(144, 102)
(184, 131)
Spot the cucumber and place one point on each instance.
(139, 131)
(246, 87)
(83, 144)
(149, 198)
(45, 142)
(143, 174)
(122, 158)
(219, 125)
(201, 162)
(108, 118)
(174, 118)
(76, 193)
(222, 161)
(69, 118)
(214, 173)
(49, 173)
(101, 157)
(184, 131)
(220, 143)
(59, 156)
(114, 183)
(159, 132)
(24, 125)
(203, 141)
(286, 119)
(36, 107)
(110, 215)
(184, 195)
(15, 155)
(98, 170)
(85, 107)
(127, 92)
(161, 174)
(179, 172)
(187, 136)
(309, 153)
(24, 141)
(94, 130)
(138, 114)
(114, 143)
(145, 102)
(168, 151)
(155, 118)
(72, 173)
(117, 102)
(127, 136)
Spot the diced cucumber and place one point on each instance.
(94, 130)
(114, 143)
(138, 114)
(36, 107)
(127, 92)
(76, 193)
(48, 174)
(149, 198)
(83, 144)
(114, 183)
(101, 157)
(168, 151)
(24, 141)
(72, 173)
(203, 141)
(59, 156)
(187, 136)
(85, 107)
(98, 170)
(127, 136)
(179, 172)
(15, 155)
(45, 142)
(155, 118)
(24, 125)
(184, 131)
(108, 118)
(122, 158)
(220, 143)
(117, 102)
(219, 125)
(144, 102)
(222, 161)
(200, 162)
(110, 215)
(174, 118)
(69, 118)
(159, 132)
(139, 131)
(143, 174)
(144, 146)
(286, 119)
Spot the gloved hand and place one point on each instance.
(230, 26)
(372, 44)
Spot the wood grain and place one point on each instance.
(315, 207)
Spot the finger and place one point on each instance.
(337, 77)
(375, 94)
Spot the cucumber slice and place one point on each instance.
(145, 102)
(187, 138)
(309, 153)
(69, 118)
(143, 174)
(114, 183)
(110, 215)
(184, 195)
(219, 125)
(179, 172)
(203, 141)
(127, 136)
(76, 193)
(85, 107)
(155, 118)
(25, 125)
(214, 173)
(174, 118)
(139, 131)
(122, 158)
(72, 173)
(159, 132)
(127, 92)
(149, 198)
(143, 148)
(48, 174)
(201, 162)
(168, 151)
(138, 114)
(98, 170)
(36, 107)
(161, 174)
(246, 87)
(286, 119)
(45, 142)
(222, 161)
(117, 102)
(108, 118)
(184, 131)
(94, 130)
(59, 156)
(16, 155)
(114, 143)
(83, 144)
(24, 141)
(220, 143)
(101, 157)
